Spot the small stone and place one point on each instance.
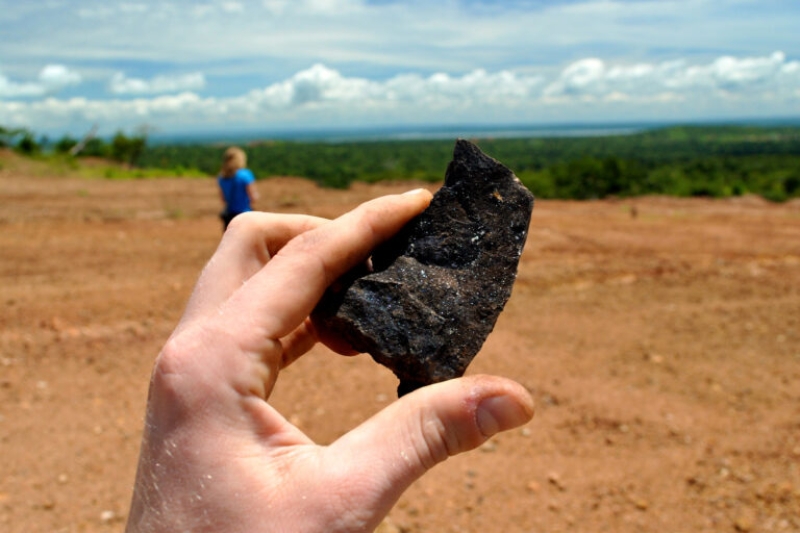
(437, 288)
(387, 526)
(107, 516)
(554, 479)
(533, 487)
(296, 420)
(488, 447)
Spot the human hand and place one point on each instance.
(216, 456)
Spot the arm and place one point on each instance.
(252, 193)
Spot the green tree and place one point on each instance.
(8, 135)
(126, 149)
(28, 145)
(96, 147)
(65, 144)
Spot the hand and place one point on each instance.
(217, 457)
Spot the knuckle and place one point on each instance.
(305, 251)
(436, 441)
(248, 229)
(369, 222)
(176, 370)
(244, 223)
(174, 356)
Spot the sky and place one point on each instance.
(176, 66)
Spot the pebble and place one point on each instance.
(488, 447)
(388, 527)
(107, 516)
(555, 480)
(641, 504)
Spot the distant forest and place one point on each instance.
(679, 161)
(713, 161)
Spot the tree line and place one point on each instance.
(122, 148)
(713, 161)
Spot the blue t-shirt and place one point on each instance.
(234, 189)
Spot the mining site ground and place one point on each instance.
(660, 338)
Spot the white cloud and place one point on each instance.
(730, 73)
(121, 84)
(322, 86)
(11, 89)
(96, 12)
(232, 7)
(323, 96)
(52, 78)
(130, 7)
(647, 81)
(276, 7)
(55, 77)
(327, 6)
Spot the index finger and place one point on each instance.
(277, 299)
(248, 244)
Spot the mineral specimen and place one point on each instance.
(435, 289)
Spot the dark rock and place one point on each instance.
(436, 288)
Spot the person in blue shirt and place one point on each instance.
(236, 185)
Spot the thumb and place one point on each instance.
(406, 439)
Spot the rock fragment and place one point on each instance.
(436, 289)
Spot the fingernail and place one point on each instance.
(500, 413)
(414, 191)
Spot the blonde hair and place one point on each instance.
(233, 160)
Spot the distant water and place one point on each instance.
(493, 132)
(412, 133)
(406, 133)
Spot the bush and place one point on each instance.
(28, 145)
(65, 144)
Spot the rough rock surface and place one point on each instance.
(436, 289)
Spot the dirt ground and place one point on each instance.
(660, 338)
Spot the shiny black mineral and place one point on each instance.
(435, 290)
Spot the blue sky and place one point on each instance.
(226, 65)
